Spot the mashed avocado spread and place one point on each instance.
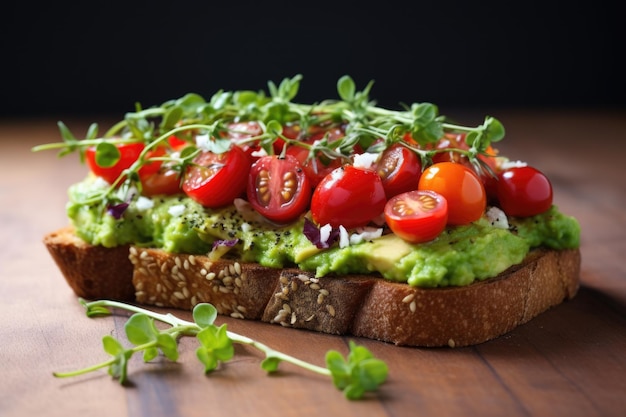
(459, 256)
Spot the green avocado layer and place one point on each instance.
(459, 256)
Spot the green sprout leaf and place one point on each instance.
(118, 368)
(204, 315)
(168, 345)
(140, 329)
(270, 364)
(215, 347)
(361, 372)
(346, 88)
(107, 154)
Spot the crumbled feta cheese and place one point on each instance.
(176, 210)
(513, 164)
(365, 160)
(144, 203)
(344, 237)
(259, 153)
(202, 141)
(246, 227)
(364, 234)
(497, 218)
(325, 232)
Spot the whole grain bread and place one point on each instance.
(365, 306)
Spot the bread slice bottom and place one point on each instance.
(365, 306)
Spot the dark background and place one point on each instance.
(101, 58)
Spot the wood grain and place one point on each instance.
(568, 361)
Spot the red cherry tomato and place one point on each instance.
(349, 197)
(523, 191)
(319, 167)
(215, 180)
(417, 216)
(278, 188)
(400, 169)
(128, 154)
(176, 142)
(241, 132)
(460, 186)
(163, 182)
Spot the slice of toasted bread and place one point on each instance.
(363, 305)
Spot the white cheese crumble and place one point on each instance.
(365, 160)
(513, 164)
(202, 141)
(144, 203)
(497, 218)
(344, 237)
(364, 234)
(325, 232)
(259, 153)
(177, 210)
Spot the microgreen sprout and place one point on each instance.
(367, 125)
(354, 375)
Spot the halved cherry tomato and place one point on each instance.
(278, 188)
(400, 170)
(349, 197)
(460, 186)
(524, 191)
(417, 216)
(215, 180)
(128, 154)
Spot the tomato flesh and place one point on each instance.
(460, 186)
(215, 180)
(417, 216)
(349, 197)
(523, 191)
(278, 188)
(399, 169)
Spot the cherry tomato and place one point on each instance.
(176, 142)
(240, 132)
(349, 197)
(278, 188)
(319, 167)
(215, 180)
(417, 216)
(457, 141)
(128, 154)
(400, 169)
(460, 186)
(524, 191)
(163, 182)
(152, 167)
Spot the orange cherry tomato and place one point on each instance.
(460, 186)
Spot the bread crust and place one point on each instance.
(365, 306)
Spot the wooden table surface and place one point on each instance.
(570, 361)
